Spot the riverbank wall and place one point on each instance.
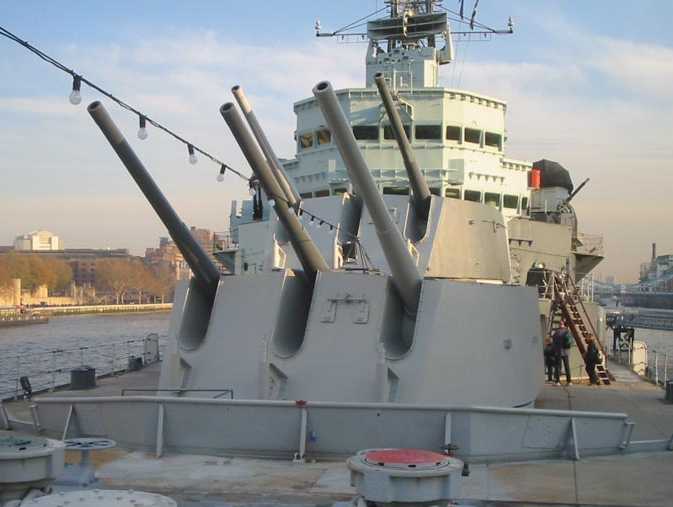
(89, 309)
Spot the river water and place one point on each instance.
(661, 341)
(46, 352)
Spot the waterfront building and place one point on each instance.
(168, 256)
(38, 241)
(204, 237)
(657, 274)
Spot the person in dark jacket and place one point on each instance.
(561, 343)
(549, 359)
(592, 357)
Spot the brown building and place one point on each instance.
(167, 255)
(204, 237)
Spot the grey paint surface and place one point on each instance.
(274, 429)
(471, 343)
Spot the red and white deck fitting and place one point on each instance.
(405, 476)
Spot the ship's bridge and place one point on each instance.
(458, 138)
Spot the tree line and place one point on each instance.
(34, 271)
(118, 276)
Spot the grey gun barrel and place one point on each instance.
(204, 269)
(419, 187)
(290, 193)
(405, 275)
(308, 253)
(576, 191)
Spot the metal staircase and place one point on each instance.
(567, 303)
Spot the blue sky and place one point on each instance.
(587, 83)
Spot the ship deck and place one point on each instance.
(196, 480)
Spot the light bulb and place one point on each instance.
(252, 191)
(271, 202)
(192, 156)
(142, 130)
(75, 97)
(220, 176)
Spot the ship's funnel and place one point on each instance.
(307, 252)
(405, 274)
(289, 192)
(205, 272)
(420, 192)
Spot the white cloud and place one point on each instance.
(600, 106)
(36, 105)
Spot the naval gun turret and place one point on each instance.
(408, 330)
(350, 292)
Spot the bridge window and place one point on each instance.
(396, 190)
(323, 136)
(428, 132)
(366, 132)
(524, 205)
(472, 195)
(322, 193)
(306, 141)
(435, 191)
(388, 132)
(510, 201)
(306, 195)
(492, 139)
(339, 191)
(473, 136)
(492, 199)
(452, 193)
(453, 133)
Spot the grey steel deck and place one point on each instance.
(636, 479)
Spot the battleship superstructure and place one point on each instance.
(377, 266)
(458, 138)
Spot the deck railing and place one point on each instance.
(48, 370)
(655, 366)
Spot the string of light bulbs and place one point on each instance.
(75, 99)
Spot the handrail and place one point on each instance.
(181, 390)
(327, 404)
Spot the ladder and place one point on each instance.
(567, 303)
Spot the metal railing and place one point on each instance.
(659, 368)
(48, 370)
(221, 393)
(284, 429)
(654, 366)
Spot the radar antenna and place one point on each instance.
(412, 20)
